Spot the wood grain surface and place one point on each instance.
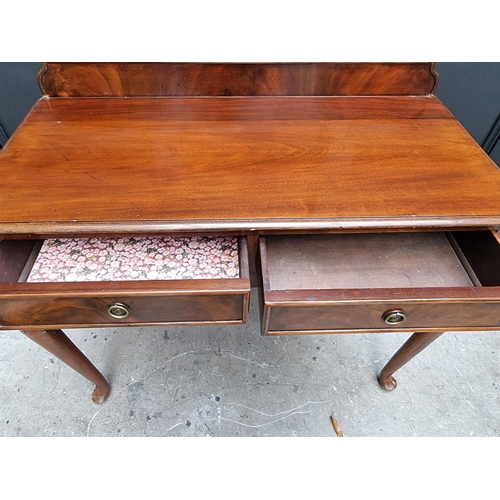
(206, 164)
(68, 312)
(421, 316)
(236, 79)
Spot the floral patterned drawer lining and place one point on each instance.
(124, 259)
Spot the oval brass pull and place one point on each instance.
(118, 311)
(394, 317)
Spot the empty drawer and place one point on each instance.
(378, 282)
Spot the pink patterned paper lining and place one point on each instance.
(124, 259)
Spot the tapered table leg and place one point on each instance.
(414, 345)
(58, 344)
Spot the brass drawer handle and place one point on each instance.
(394, 316)
(118, 311)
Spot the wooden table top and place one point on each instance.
(140, 165)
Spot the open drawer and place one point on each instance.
(62, 283)
(415, 281)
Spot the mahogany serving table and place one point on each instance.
(357, 203)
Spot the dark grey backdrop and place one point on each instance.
(470, 90)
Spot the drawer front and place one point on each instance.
(66, 312)
(407, 316)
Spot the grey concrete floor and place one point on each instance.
(231, 381)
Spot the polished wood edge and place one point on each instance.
(494, 232)
(18, 230)
(261, 269)
(121, 325)
(266, 318)
(264, 264)
(40, 77)
(244, 274)
(313, 298)
(435, 75)
(30, 262)
(243, 257)
(126, 288)
(265, 311)
(246, 307)
(382, 331)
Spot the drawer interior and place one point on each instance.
(382, 260)
(123, 259)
